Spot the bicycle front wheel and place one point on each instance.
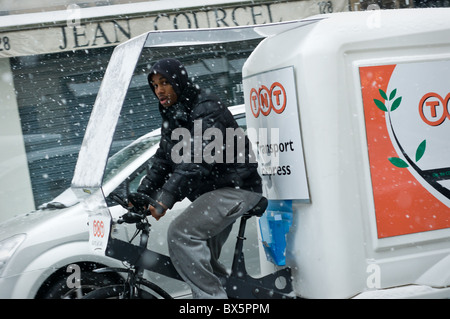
(116, 292)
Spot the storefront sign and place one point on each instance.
(406, 109)
(274, 130)
(78, 35)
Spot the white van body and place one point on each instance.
(376, 214)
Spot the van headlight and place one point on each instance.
(8, 247)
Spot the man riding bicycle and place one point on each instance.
(221, 187)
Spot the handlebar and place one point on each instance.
(139, 208)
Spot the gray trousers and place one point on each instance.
(196, 236)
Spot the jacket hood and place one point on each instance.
(187, 93)
(173, 71)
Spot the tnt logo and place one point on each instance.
(433, 109)
(265, 99)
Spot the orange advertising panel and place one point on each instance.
(408, 136)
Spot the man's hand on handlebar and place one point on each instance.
(145, 205)
(155, 214)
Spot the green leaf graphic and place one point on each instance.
(392, 94)
(396, 103)
(398, 162)
(383, 94)
(421, 150)
(380, 105)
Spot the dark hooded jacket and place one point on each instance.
(170, 181)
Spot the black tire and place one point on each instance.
(156, 289)
(90, 281)
(115, 292)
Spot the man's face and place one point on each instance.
(163, 90)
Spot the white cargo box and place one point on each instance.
(365, 98)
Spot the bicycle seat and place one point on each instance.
(259, 209)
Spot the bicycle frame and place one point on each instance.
(135, 275)
(239, 284)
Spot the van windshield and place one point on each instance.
(127, 155)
